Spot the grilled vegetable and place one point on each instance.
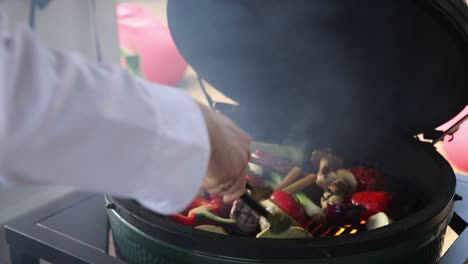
(322, 172)
(344, 213)
(264, 224)
(311, 209)
(301, 184)
(339, 186)
(345, 175)
(378, 220)
(196, 202)
(369, 179)
(347, 197)
(290, 205)
(295, 173)
(212, 228)
(200, 215)
(325, 162)
(336, 193)
(374, 202)
(254, 169)
(333, 161)
(246, 220)
(202, 211)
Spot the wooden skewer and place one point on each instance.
(291, 177)
(302, 183)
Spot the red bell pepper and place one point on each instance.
(291, 206)
(202, 211)
(374, 202)
(221, 209)
(196, 202)
(369, 179)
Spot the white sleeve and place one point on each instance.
(66, 120)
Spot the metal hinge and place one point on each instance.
(439, 135)
(224, 108)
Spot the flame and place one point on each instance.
(363, 222)
(354, 231)
(342, 229)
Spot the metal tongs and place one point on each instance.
(279, 221)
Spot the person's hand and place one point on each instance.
(230, 155)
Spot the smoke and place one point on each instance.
(334, 73)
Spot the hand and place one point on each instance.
(230, 155)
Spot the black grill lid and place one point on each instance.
(303, 69)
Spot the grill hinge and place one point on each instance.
(437, 135)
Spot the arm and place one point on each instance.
(66, 120)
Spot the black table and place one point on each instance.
(74, 229)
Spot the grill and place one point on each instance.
(319, 74)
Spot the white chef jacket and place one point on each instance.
(67, 119)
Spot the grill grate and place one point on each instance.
(328, 230)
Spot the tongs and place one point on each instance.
(279, 221)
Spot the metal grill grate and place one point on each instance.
(325, 230)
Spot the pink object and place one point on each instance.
(456, 151)
(141, 33)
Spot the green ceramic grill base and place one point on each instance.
(139, 248)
